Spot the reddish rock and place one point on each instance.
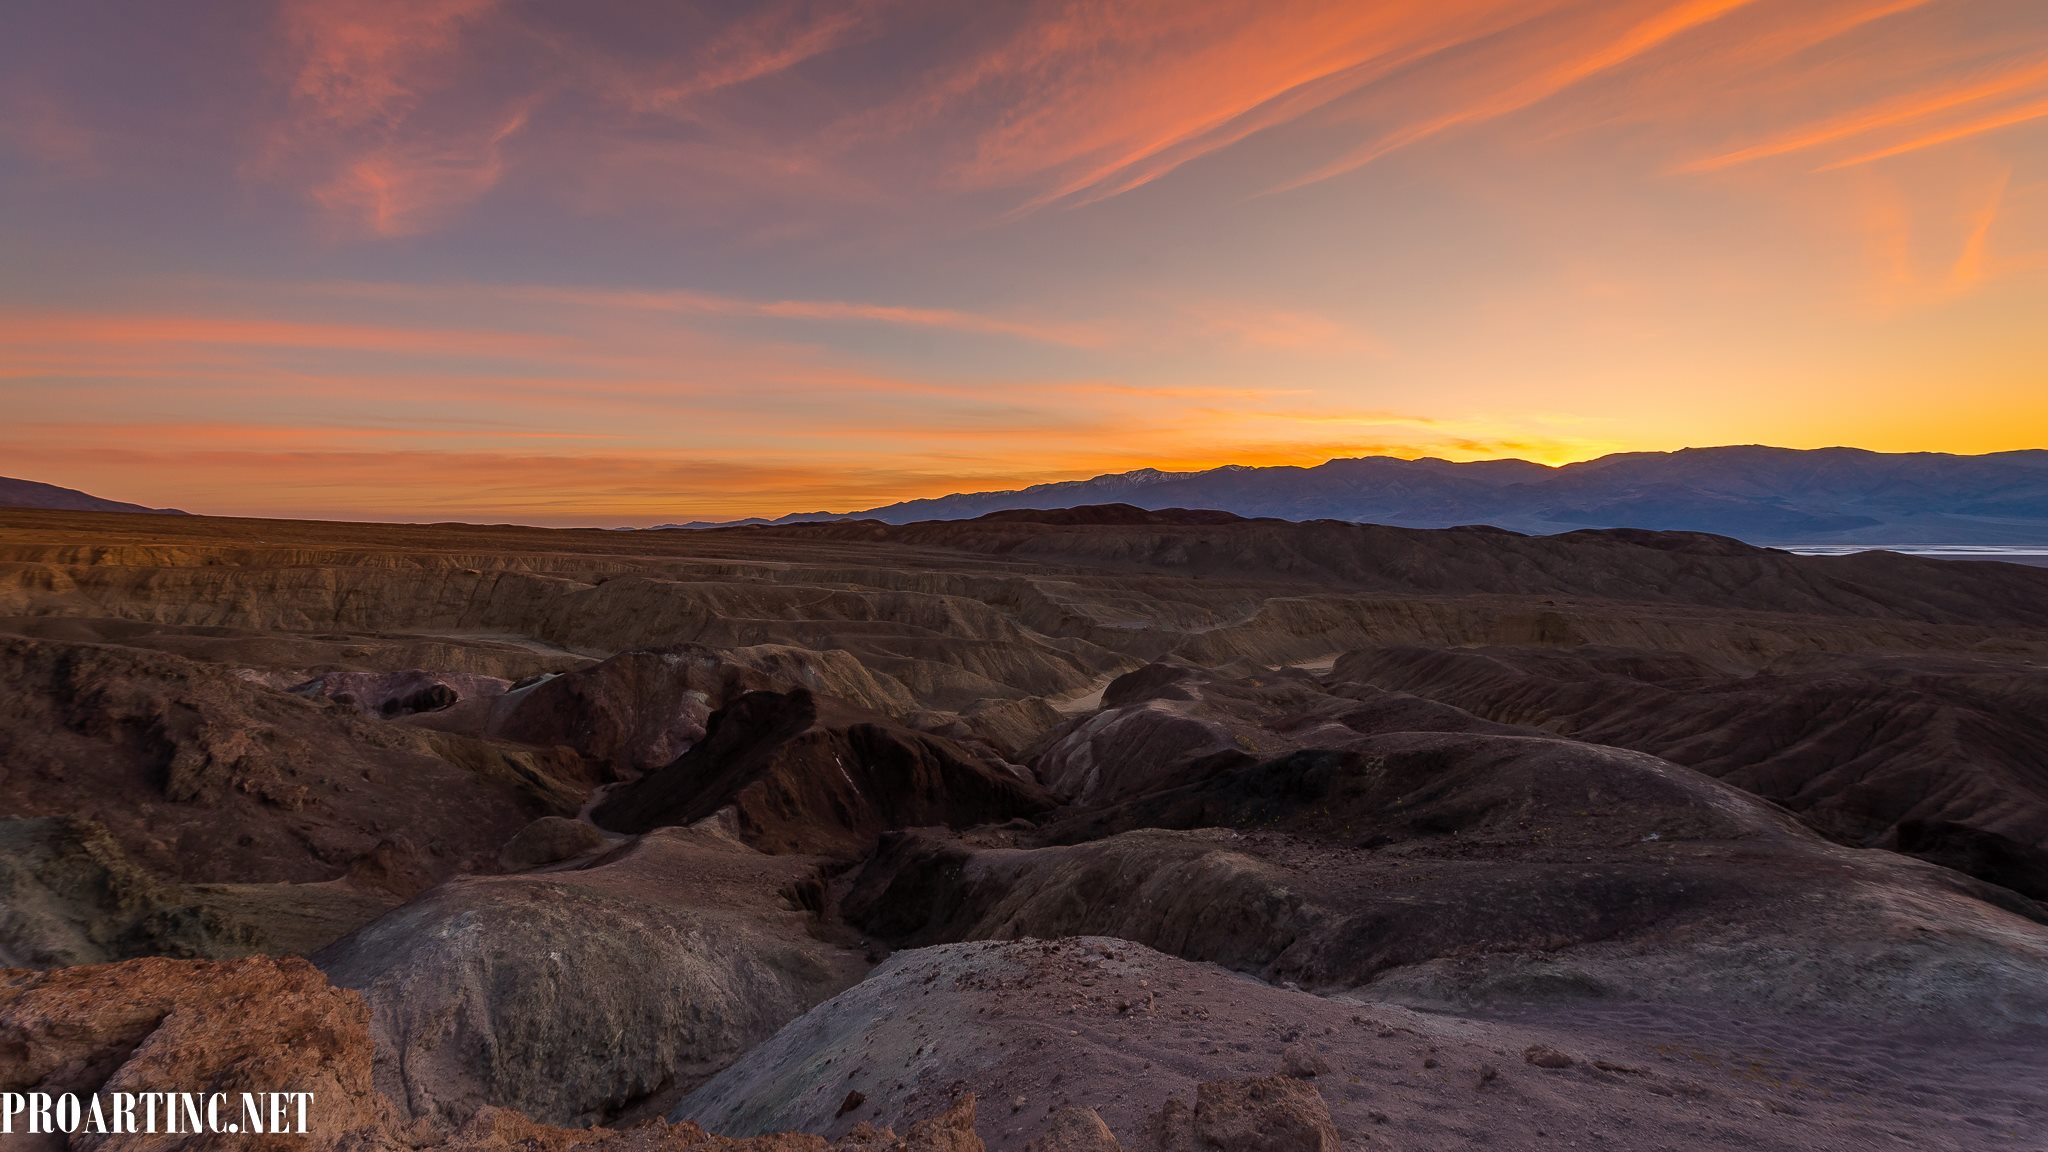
(1074, 1129)
(257, 1025)
(1302, 1062)
(1269, 1114)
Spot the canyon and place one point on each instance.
(1075, 828)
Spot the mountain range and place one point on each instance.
(1761, 494)
(34, 494)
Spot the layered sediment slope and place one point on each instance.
(1452, 866)
(1943, 757)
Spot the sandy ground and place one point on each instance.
(1085, 700)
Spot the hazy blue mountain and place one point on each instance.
(31, 494)
(1760, 494)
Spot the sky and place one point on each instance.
(622, 263)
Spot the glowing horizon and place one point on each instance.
(629, 263)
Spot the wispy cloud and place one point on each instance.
(1979, 126)
(768, 40)
(1972, 264)
(684, 302)
(367, 127)
(1247, 79)
(1297, 330)
(94, 329)
(1639, 39)
(35, 122)
(402, 188)
(359, 62)
(712, 304)
(1897, 112)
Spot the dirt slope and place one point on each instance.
(588, 994)
(1943, 757)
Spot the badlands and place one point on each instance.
(1064, 831)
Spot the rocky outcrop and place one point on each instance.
(805, 774)
(550, 840)
(1075, 1129)
(1163, 725)
(1267, 1114)
(641, 709)
(391, 695)
(253, 1025)
(201, 776)
(69, 895)
(592, 994)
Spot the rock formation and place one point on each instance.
(596, 993)
(1943, 757)
(801, 774)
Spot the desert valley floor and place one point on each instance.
(1065, 831)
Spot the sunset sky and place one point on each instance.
(629, 262)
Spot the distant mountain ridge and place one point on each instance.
(34, 494)
(1752, 492)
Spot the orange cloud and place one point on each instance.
(1284, 330)
(1643, 37)
(1977, 127)
(683, 302)
(1253, 73)
(710, 304)
(36, 123)
(401, 189)
(366, 61)
(215, 435)
(1893, 113)
(772, 39)
(1969, 268)
(90, 330)
(378, 110)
